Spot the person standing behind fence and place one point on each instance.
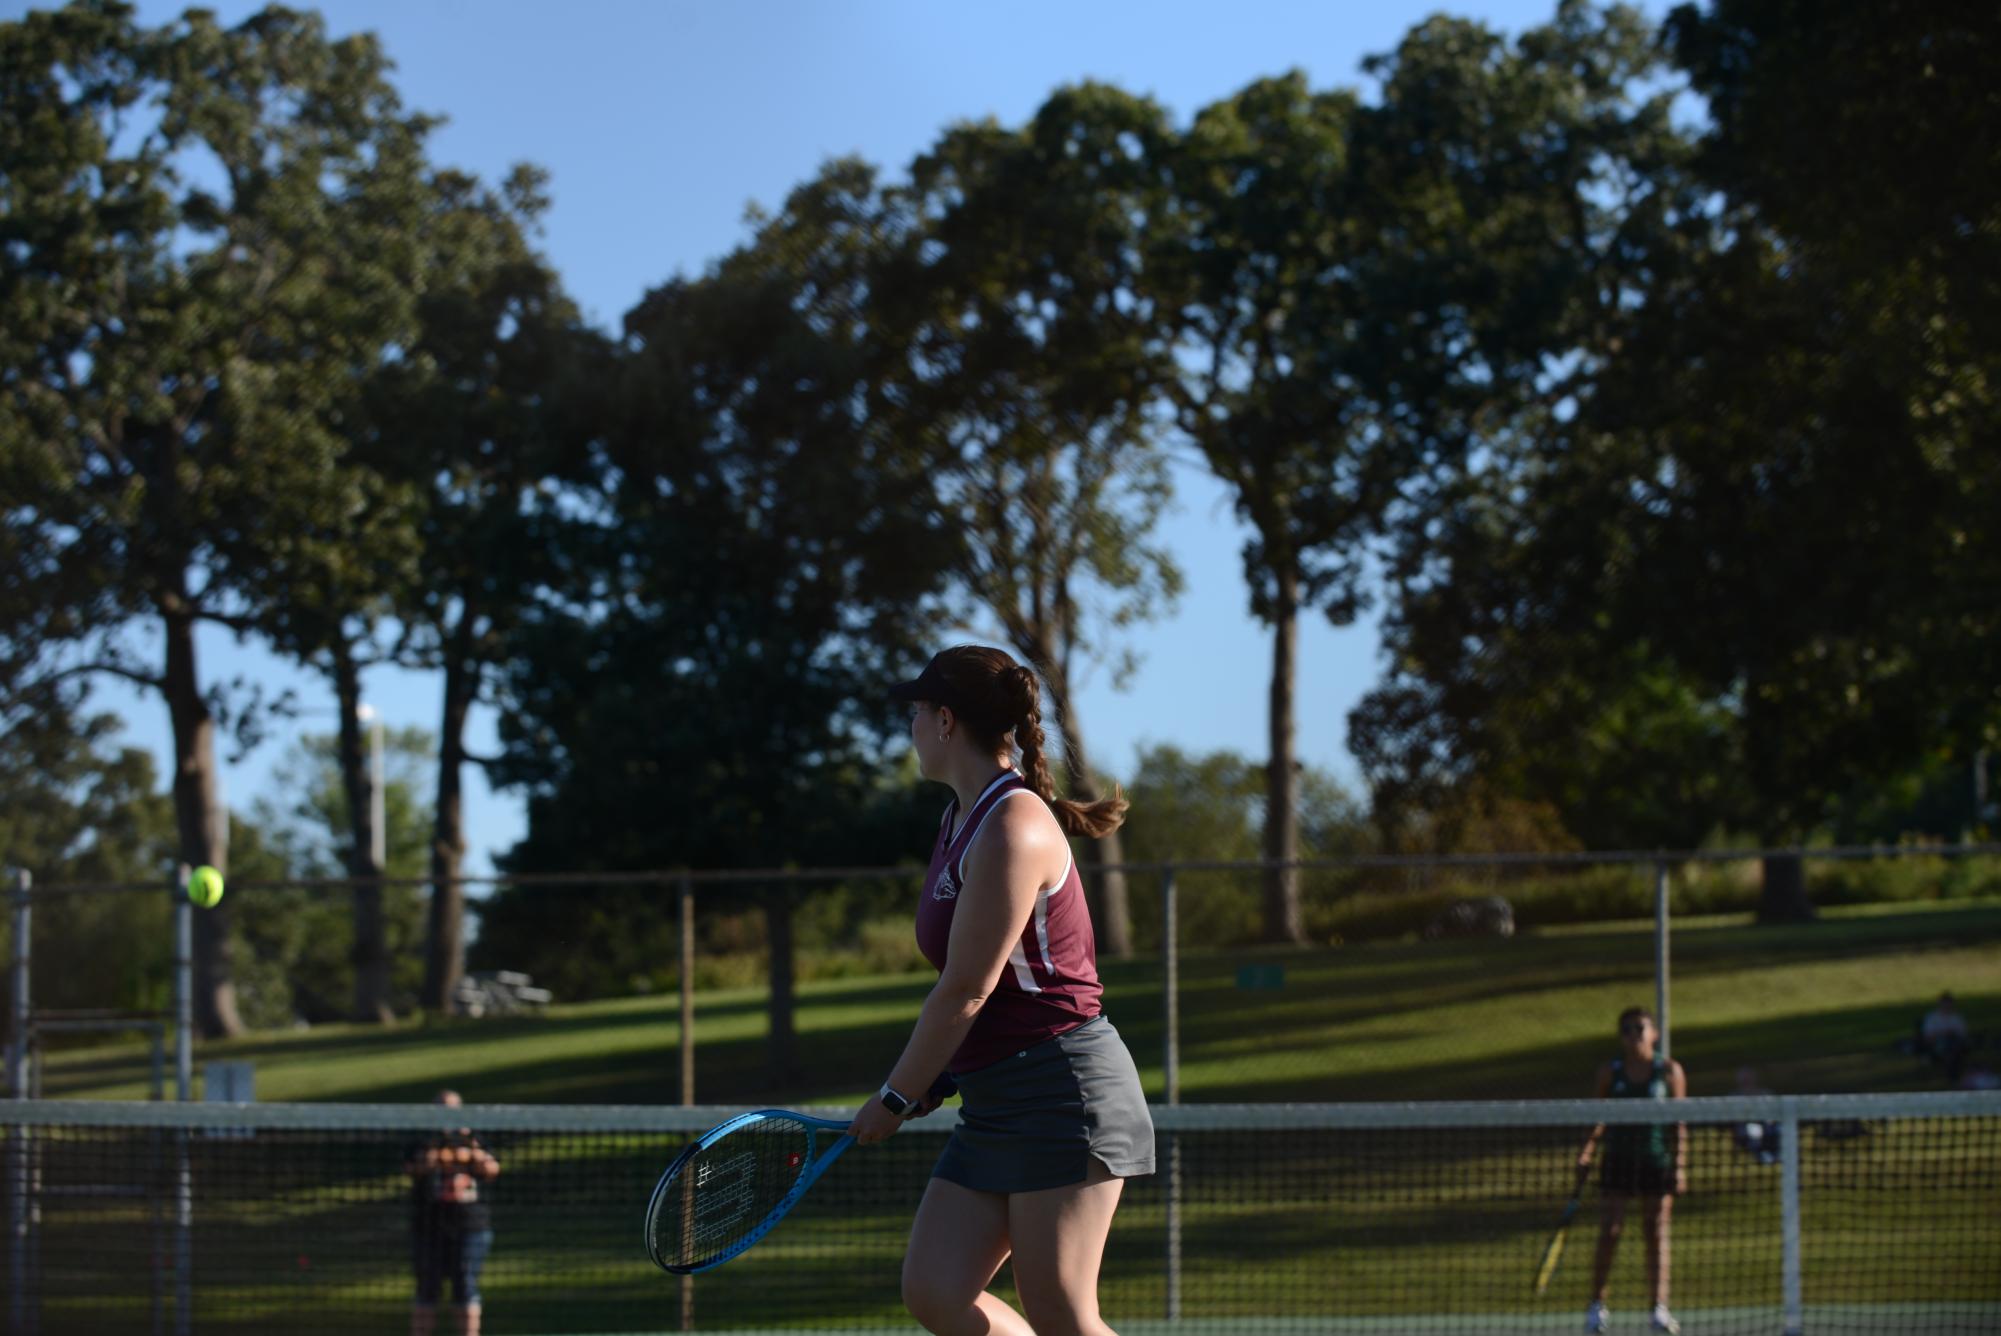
(1644, 1160)
(451, 1230)
(1053, 1120)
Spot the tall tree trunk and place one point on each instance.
(202, 824)
(1782, 898)
(444, 941)
(371, 938)
(1111, 910)
(1283, 921)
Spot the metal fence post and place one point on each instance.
(184, 988)
(687, 990)
(1170, 960)
(1661, 955)
(184, 1068)
(1789, 1209)
(19, 1002)
(19, 1220)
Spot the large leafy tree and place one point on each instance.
(486, 420)
(333, 614)
(1369, 297)
(1825, 417)
(207, 233)
(74, 808)
(739, 584)
(1867, 142)
(1025, 366)
(1741, 579)
(1264, 213)
(701, 686)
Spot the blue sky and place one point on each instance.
(661, 120)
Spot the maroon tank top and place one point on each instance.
(1050, 982)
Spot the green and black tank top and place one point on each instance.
(1647, 1141)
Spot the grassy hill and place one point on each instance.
(1813, 1008)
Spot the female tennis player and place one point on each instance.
(1639, 1162)
(1053, 1120)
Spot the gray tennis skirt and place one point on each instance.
(1037, 1119)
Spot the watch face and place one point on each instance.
(894, 1102)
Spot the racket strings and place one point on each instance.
(725, 1190)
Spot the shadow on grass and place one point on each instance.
(1445, 999)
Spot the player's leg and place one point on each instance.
(1659, 1210)
(429, 1273)
(1611, 1224)
(472, 1260)
(957, 1242)
(1059, 1243)
(1654, 1224)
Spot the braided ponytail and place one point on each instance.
(1089, 820)
(1028, 733)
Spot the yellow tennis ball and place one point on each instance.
(205, 886)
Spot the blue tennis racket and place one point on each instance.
(734, 1184)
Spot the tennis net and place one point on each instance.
(1817, 1213)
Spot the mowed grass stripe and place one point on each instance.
(1814, 1008)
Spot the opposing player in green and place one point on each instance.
(1644, 1160)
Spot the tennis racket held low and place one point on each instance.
(734, 1183)
(1552, 1254)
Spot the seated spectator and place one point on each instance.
(1943, 1037)
(1757, 1139)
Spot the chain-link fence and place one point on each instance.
(1491, 975)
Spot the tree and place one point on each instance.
(302, 946)
(1857, 155)
(330, 613)
(1366, 297)
(207, 237)
(75, 808)
(1025, 367)
(1263, 217)
(487, 418)
(1686, 585)
(1211, 808)
(87, 819)
(753, 566)
(1189, 808)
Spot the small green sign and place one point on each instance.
(1254, 977)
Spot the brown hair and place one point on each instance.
(1001, 702)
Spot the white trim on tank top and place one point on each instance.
(1017, 959)
(951, 811)
(1069, 860)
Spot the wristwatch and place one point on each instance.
(893, 1101)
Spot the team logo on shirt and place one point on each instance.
(947, 889)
